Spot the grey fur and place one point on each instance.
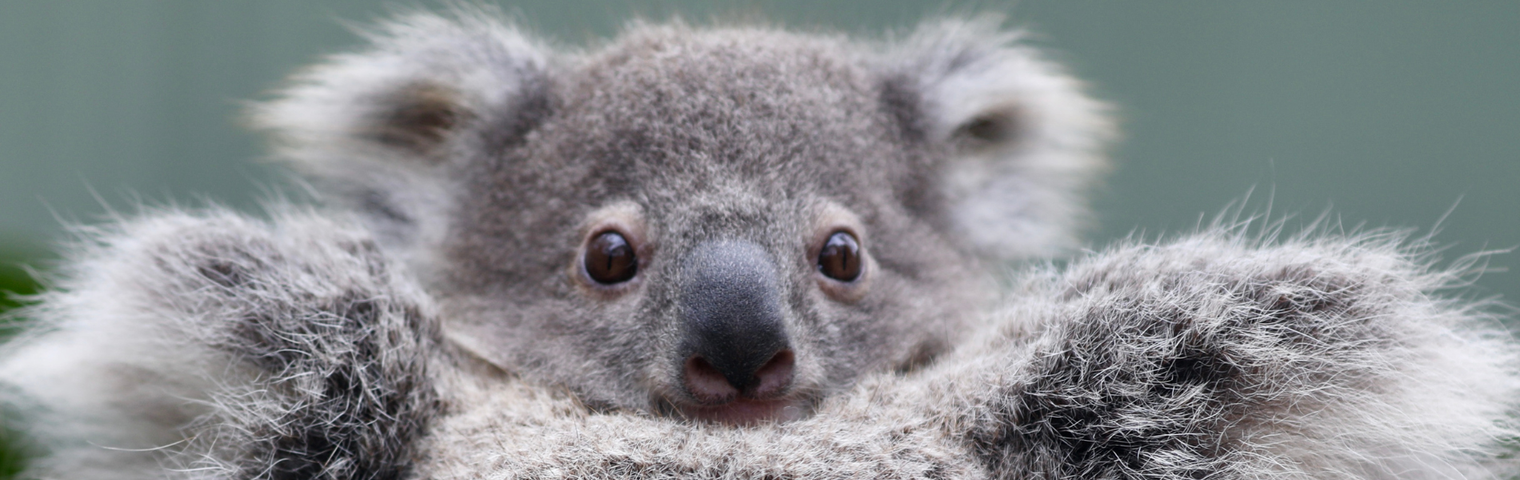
(444, 332)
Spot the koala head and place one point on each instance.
(718, 223)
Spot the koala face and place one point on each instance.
(723, 224)
(723, 168)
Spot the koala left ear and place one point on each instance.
(377, 130)
(1025, 142)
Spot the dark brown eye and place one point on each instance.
(609, 259)
(840, 257)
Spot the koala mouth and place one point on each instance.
(743, 412)
(721, 396)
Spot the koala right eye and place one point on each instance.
(610, 259)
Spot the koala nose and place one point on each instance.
(734, 340)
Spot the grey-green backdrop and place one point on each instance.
(1387, 113)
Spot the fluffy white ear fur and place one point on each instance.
(373, 129)
(1028, 140)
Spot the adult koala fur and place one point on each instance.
(733, 253)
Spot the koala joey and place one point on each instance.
(726, 223)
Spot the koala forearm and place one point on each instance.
(215, 346)
(1222, 357)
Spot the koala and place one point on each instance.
(724, 223)
(734, 252)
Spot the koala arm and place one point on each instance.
(1218, 356)
(214, 346)
(211, 346)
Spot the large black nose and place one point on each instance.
(734, 339)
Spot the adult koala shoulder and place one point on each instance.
(732, 253)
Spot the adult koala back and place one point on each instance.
(721, 223)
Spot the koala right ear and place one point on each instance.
(376, 131)
(1024, 141)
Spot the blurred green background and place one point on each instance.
(1387, 113)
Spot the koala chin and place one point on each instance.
(734, 252)
(719, 223)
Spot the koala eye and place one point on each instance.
(610, 259)
(840, 257)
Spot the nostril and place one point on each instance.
(706, 384)
(774, 377)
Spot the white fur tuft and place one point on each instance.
(1023, 196)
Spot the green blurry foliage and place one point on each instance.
(14, 281)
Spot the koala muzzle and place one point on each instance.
(734, 342)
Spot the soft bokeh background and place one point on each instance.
(1387, 113)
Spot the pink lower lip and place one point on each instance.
(746, 412)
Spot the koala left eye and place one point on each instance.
(840, 257)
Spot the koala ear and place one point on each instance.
(378, 130)
(1024, 141)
